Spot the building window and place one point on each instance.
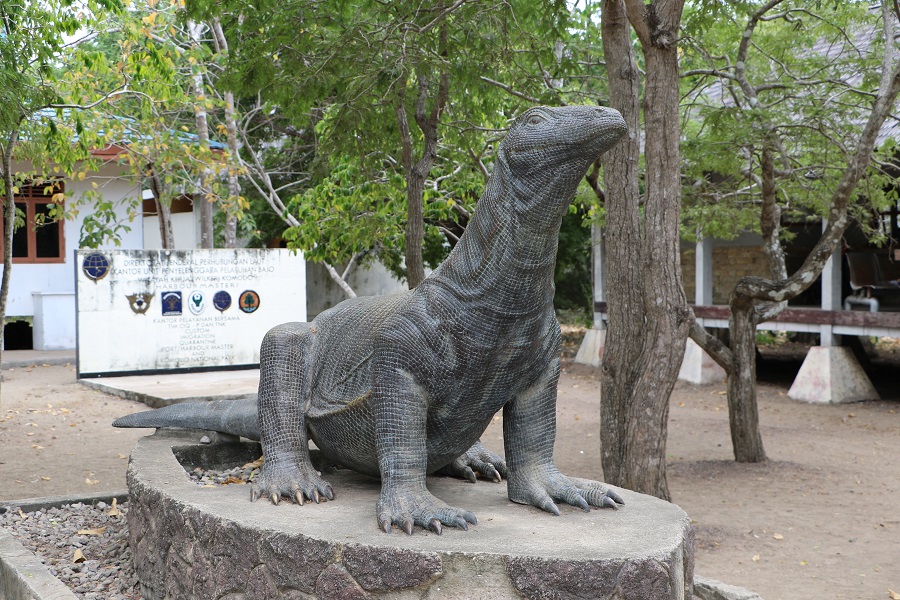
(40, 238)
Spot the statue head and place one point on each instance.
(548, 150)
(567, 139)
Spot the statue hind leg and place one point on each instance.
(478, 460)
(284, 381)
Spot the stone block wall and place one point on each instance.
(730, 263)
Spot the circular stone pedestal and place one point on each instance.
(212, 542)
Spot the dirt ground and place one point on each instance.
(821, 519)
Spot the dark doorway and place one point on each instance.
(17, 336)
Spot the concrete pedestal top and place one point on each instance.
(210, 542)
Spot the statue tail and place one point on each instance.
(237, 417)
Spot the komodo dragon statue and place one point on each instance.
(403, 386)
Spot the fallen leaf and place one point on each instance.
(90, 481)
(893, 595)
(756, 558)
(122, 456)
(681, 404)
(23, 515)
(255, 464)
(78, 557)
(64, 410)
(114, 510)
(802, 563)
(778, 536)
(37, 447)
(236, 480)
(30, 433)
(45, 478)
(97, 531)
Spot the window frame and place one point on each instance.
(31, 197)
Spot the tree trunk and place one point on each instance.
(620, 367)
(207, 239)
(9, 228)
(743, 415)
(743, 410)
(417, 172)
(415, 228)
(163, 211)
(234, 186)
(648, 314)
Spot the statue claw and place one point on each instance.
(385, 525)
(407, 526)
(470, 475)
(293, 483)
(476, 461)
(615, 497)
(581, 503)
(409, 509)
(549, 506)
(540, 487)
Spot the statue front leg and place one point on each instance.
(284, 377)
(400, 408)
(529, 431)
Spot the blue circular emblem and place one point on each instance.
(95, 266)
(222, 301)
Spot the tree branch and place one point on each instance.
(711, 345)
(505, 87)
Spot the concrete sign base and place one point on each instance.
(591, 350)
(698, 367)
(831, 375)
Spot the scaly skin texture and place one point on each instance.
(402, 386)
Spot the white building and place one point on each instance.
(42, 285)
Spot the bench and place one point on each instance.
(867, 281)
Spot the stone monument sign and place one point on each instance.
(161, 310)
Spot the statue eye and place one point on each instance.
(535, 120)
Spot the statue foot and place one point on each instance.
(291, 482)
(408, 508)
(476, 459)
(544, 486)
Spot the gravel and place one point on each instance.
(57, 535)
(237, 475)
(106, 571)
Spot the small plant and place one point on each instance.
(771, 338)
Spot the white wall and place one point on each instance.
(185, 227)
(322, 292)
